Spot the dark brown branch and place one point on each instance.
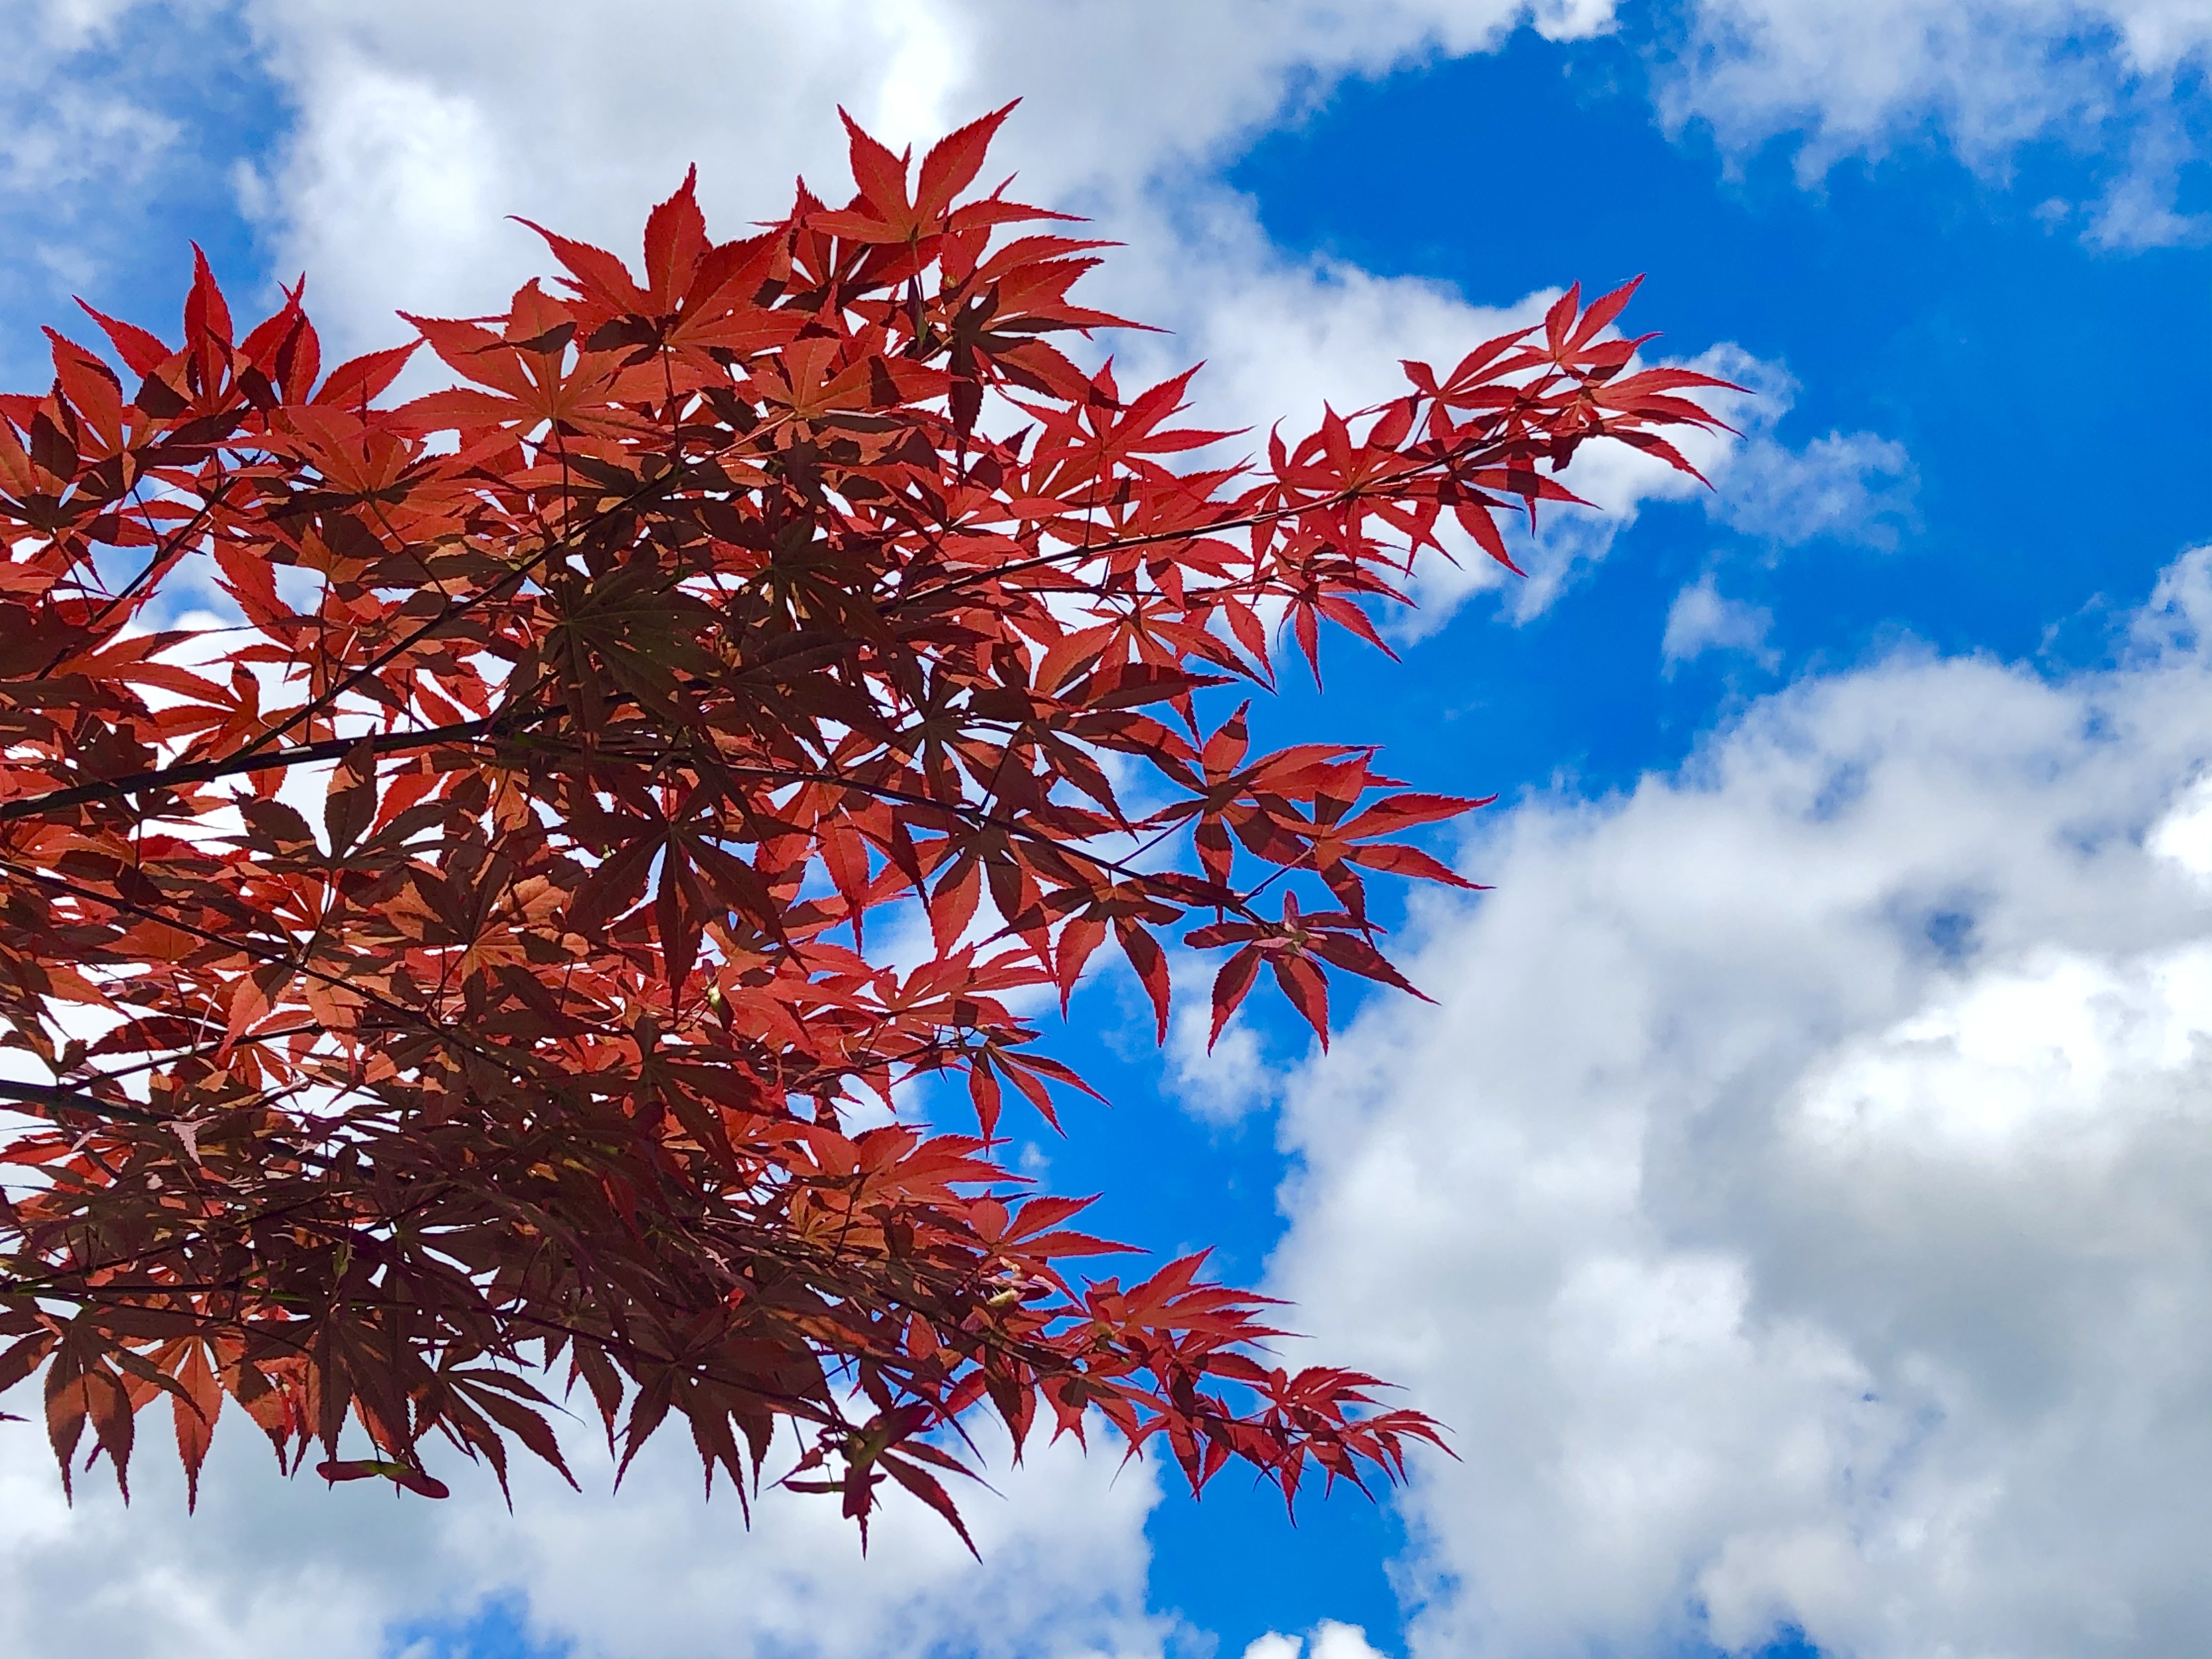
(55, 1097)
(172, 777)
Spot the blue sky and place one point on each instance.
(1795, 1201)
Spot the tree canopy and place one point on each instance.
(759, 680)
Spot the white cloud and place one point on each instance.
(78, 100)
(1228, 1081)
(1701, 619)
(1800, 1204)
(1854, 487)
(419, 124)
(2139, 210)
(1863, 76)
(1063, 1571)
(271, 1566)
(549, 112)
(1857, 76)
(2184, 835)
(1331, 1640)
(78, 134)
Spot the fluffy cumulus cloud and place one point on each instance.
(1330, 1640)
(419, 124)
(270, 1566)
(1801, 1203)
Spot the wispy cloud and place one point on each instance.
(1837, 78)
(1853, 487)
(1701, 620)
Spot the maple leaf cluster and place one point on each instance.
(469, 974)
